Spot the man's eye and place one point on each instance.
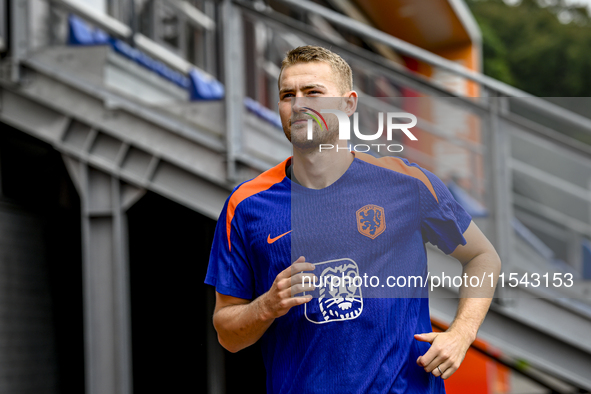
(287, 95)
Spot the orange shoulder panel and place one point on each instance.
(396, 164)
(260, 183)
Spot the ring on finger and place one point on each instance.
(439, 370)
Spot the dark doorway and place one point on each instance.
(41, 264)
(169, 248)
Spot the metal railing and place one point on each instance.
(174, 32)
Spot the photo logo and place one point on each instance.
(345, 128)
(345, 124)
(371, 221)
(316, 119)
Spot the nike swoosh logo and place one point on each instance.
(271, 240)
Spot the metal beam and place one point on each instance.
(19, 36)
(500, 182)
(143, 166)
(195, 16)
(234, 71)
(548, 179)
(163, 151)
(106, 280)
(552, 214)
(102, 20)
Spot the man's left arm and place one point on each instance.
(449, 348)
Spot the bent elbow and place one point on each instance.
(232, 348)
(221, 340)
(229, 347)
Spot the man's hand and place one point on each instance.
(449, 348)
(240, 322)
(281, 296)
(447, 352)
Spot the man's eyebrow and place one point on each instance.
(307, 87)
(314, 86)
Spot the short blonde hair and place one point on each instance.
(310, 53)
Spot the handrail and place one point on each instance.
(104, 21)
(156, 50)
(122, 31)
(194, 15)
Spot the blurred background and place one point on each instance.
(126, 124)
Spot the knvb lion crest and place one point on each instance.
(371, 221)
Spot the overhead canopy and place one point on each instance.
(444, 27)
(429, 24)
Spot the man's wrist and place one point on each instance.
(465, 332)
(264, 313)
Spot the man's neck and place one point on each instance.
(317, 170)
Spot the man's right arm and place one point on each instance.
(240, 322)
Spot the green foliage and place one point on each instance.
(529, 46)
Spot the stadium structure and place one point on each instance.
(126, 124)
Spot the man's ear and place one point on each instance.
(350, 102)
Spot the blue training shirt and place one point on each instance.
(373, 222)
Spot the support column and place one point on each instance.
(107, 320)
(233, 83)
(19, 37)
(500, 158)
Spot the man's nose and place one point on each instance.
(298, 104)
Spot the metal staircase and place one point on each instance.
(123, 130)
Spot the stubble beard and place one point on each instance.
(300, 140)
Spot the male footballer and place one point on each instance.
(336, 213)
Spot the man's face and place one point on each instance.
(299, 85)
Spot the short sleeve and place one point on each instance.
(443, 219)
(229, 270)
